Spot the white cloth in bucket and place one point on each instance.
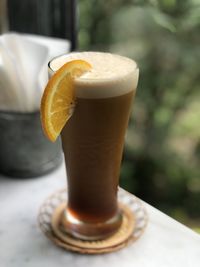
(23, 69)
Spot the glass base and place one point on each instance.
(90, 231)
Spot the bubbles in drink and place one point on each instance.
(111, 75)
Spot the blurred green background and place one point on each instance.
(162, 153)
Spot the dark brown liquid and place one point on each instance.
(93, 142)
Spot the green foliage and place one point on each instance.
(162, 156)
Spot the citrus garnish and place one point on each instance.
(58, 100)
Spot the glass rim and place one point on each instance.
(51, 71)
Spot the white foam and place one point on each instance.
(111, 75)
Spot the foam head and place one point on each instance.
(111, 75)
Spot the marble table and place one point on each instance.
(165, 242)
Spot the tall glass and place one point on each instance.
(93, 141)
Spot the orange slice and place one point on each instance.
(58, 100)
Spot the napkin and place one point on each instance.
(23, 69)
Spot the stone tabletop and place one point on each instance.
(165, 242)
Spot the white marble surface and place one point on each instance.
(165, 243)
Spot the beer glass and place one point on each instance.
(93, 141)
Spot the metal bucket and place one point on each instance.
(24, 150)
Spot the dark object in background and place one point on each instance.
(3, 16)
(55, 18)
(24, 150)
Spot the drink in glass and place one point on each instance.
(93, 141)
